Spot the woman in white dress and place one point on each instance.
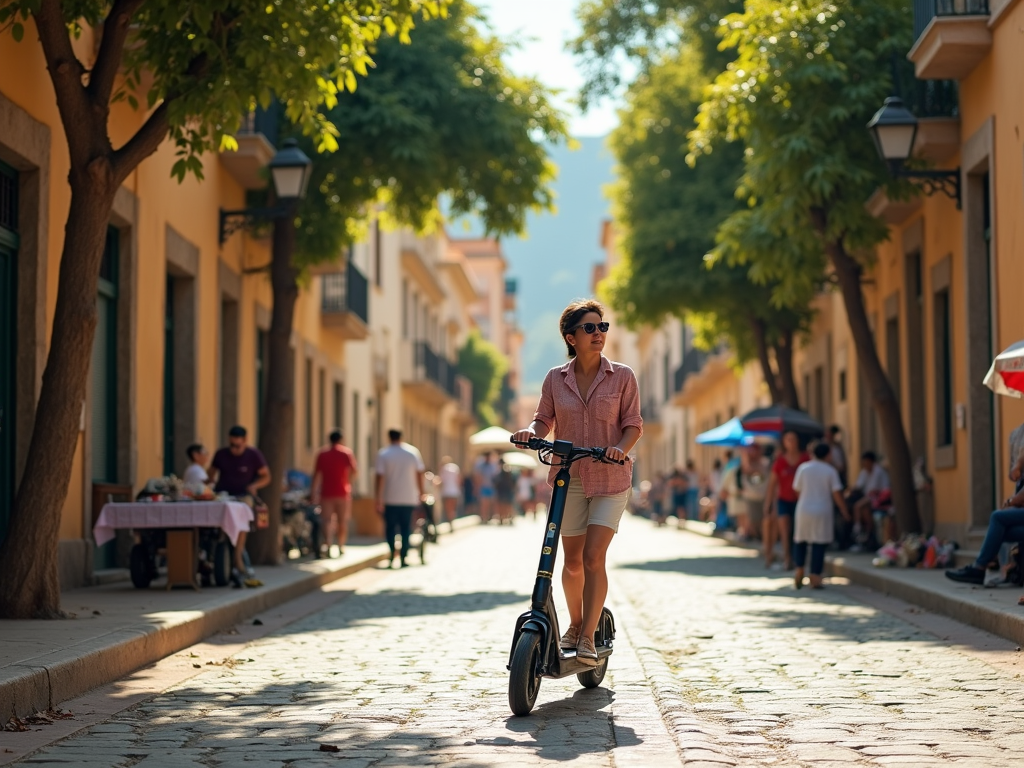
(820, 488)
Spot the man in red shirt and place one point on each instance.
(332, 489)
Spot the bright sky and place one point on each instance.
(542, 28)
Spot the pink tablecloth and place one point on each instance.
(232, 516)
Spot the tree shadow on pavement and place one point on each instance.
(733, 567)
(359, 608)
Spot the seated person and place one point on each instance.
(867, 494)
(195, 478)
(241, 471)
(1005, 525)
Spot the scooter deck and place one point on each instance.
(568, 664)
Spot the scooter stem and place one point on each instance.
(548, 553)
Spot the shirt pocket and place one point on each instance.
(606, 407)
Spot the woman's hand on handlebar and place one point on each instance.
(614, 453)
(523, 436)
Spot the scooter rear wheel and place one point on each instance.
(524, 674)
(593, 677)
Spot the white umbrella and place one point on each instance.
(521, 460)
(1006, 376)
(492, 438)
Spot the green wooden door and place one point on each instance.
(103, 443)
(8, 309)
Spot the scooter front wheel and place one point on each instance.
(524, 674)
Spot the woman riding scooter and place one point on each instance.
(589, 401)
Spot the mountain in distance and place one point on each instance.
(552, 263)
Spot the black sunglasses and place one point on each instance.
(591, 327)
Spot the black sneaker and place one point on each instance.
(968, 575)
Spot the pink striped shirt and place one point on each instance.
(612, 404)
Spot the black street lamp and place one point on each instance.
(894, 128)
(289, 171)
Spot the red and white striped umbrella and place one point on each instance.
(1006, 376)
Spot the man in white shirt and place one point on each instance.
(399, 490)
(872, 483)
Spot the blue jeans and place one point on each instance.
(1004, 525)
(817, 556)
(398, 520)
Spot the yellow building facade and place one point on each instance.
(181, 348)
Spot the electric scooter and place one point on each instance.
(535, 645)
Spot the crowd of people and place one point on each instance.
(793, 497)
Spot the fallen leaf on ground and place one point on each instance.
(329, 748)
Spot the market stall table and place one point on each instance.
(181, 520)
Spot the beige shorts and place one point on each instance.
(597, 510)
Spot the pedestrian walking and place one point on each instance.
(820, 489)
(451, 488)
(332, 489)
(589, 401)
(399, 490)
(780, 501)
(692, 494)
(525, 494)
(656, 495)
(504, 492)
(484, 472)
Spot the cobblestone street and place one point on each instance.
(716, 663)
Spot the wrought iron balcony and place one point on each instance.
(431, 373)
(693, 361)
(926, 10)
(952, 37)
(345, 302)
(256, 138)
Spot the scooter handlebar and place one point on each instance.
(537, 444)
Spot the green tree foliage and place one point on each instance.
(196, 69)
(441, 116)
(668, 212)
(806, 79)
(483, 364)
(643, 32)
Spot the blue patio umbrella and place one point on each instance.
(732, 434)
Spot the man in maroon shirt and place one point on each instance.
(241, 471)
(332, 489)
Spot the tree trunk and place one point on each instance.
(784, 360)
(29, 580)
(848, 272)
(770, 377)
(278, 422)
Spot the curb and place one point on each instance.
(990, 618)
(70, 672)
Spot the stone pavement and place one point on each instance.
(717, 663)
(763, 674)
(407, 671)
(115, 628)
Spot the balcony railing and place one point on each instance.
(649, 409)
(346, 291)
(693, 361)
(437, 368)
(925, 98)
(265, 121)
(926, 10)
